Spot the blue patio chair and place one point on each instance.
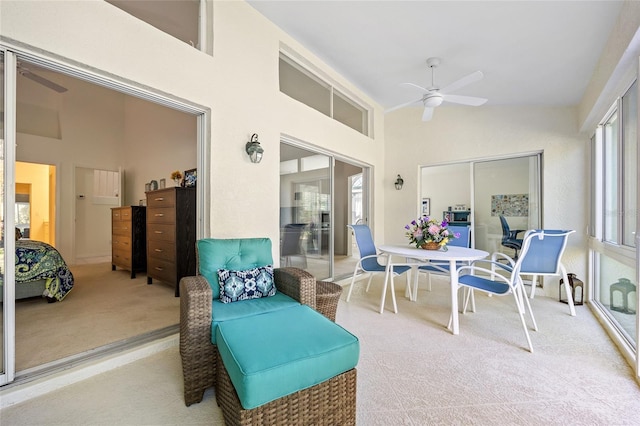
(369, 263)
(442, 268)
(501, 279)
(545, 259)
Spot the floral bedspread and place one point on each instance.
(36, 260)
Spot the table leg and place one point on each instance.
(384, 287)
(414, 276)
(455, 327)
(407, 291)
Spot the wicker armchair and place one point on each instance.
(196, 350)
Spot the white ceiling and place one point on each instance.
(531, 52)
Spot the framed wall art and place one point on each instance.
(190, 178)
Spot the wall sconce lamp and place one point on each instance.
(399, 182)
(254, 149)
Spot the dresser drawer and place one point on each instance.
(164, 250)
(161, 215)
(161, 232)
(121, 242)
(121, 258)
(161, 198)
(116, 214)
(121, 227)
(161, 269)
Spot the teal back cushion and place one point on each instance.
(237, 254)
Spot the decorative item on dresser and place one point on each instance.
(171, 235)
(129, 239)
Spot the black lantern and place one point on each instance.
(399, 182)
(577, 290)
(624, 286)
(254, 149)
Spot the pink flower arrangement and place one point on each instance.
(426, 229)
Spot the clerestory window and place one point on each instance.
(302, 85)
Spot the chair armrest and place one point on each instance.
(514, 233)
(296, 283)
(474, 269)
(195, 311)
(491, 263)
(497, 257)
(196, 351)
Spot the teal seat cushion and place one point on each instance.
(272, 355)
(236, 254)
(246, 308)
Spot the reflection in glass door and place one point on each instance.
(484, 190)
(306, 237)
(510, 188)
(319, 196)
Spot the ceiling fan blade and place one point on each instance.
(47, 83)
(406, 104)
(427, 114)
(424, 89)
(471, 78)
(464, 100)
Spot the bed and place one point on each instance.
(41, 271)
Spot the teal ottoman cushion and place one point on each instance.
(272, 355)
(245, 308)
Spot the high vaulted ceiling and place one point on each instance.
(531, 52)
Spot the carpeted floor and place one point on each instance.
(104, 307)
(412, 371)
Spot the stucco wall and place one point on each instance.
(475, 133)
(238, 84)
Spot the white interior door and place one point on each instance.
(97, 191)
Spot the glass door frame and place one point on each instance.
(9, 155)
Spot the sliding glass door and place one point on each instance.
(319, 196)
(478, 192)
(508, 188)
(305, 210)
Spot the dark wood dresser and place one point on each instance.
(129, 239)
(171, 235)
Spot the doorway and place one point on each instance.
(35, 209)
(43, 125)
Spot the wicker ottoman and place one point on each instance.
(327, 296)
(288, 367)
(330, 403)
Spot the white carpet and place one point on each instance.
(412, 371)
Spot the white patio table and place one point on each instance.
(452, 255)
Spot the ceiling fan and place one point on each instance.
(27, 73)
(434, 96)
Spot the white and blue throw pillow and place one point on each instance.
(244, 285)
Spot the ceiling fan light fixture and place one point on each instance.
(433, 100)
